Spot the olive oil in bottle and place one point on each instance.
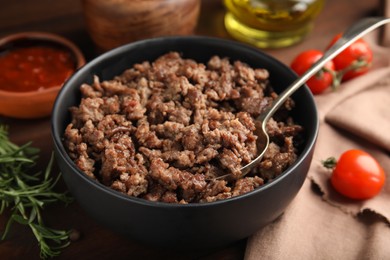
(271, 23)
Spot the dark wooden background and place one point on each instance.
(64, 17)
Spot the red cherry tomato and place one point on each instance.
(358, 175)
(355, 60)
(323, 79)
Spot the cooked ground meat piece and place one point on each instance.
(163, 130)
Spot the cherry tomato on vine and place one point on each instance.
(357, 175)
(323, 79)
(355, 60)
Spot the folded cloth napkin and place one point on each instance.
(320, 223)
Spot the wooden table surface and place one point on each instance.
(65, 18)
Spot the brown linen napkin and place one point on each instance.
(325, 225)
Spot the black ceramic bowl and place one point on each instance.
(191, 226)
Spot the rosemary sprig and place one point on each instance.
(26, 194)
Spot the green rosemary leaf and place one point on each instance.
(7, 228)
(26, 194)
(19, 219)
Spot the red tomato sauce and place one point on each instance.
(34, 68)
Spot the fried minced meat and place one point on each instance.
(163, 130)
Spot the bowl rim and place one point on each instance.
(43, 36)
(111, 192)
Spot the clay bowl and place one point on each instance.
(36, 103)
(190, 226)
(112, 23)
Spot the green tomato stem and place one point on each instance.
(329, 163)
